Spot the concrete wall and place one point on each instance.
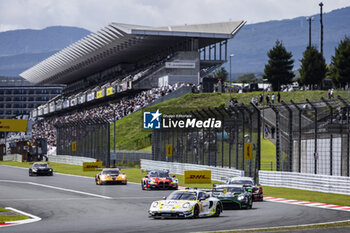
(67, 159)
(175, 74)
(132, 156)
(13, 157)
(306, 181)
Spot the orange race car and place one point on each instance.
(110, 176)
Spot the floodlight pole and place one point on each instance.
(114, 127)
(309, 19)
(321, 5)
(230, 77)
(263, 102)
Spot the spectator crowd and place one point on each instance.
(44, 128)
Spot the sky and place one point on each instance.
(96, 14)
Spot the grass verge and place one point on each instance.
(304, 195)
(7, 218)
(131, 136)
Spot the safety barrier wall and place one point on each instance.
(132, 156)
(306, 181)
(13, 157)
(217, 173)
(67, 159)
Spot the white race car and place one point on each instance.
(189, 203)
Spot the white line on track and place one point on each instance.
(283, 228)
(32, 218)
(58, 188)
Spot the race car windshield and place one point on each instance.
(182, 196)
(40, 165)
(230, 190)
(159, 174)
(242, 182)
(110, 172)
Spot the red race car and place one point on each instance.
(248, 182)
(159, 179)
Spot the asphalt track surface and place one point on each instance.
(75, 204)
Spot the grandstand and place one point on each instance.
(121, 60)
(122, 68)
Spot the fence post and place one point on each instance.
(278, 140)
(347, 139)
(258, 149)
(290, 129)
(315, 153)
(331, 137)
(299, 134)
(108, 144)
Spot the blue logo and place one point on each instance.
(151, 120)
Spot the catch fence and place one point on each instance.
(310, 137)
(217, 147)
(87, 138)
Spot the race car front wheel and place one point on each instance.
(196, 212)
(218, 210)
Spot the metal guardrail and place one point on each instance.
(306, 181)
(217, 173)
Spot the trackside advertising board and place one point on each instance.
(198, 177)
(91, 166)
(13, 125)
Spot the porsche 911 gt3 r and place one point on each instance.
(190, 203)
(110, 176)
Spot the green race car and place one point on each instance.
(233, 196)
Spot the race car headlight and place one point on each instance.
(50, 169)
(103, 177)
(122, 176)
(240, 197)
(152, 181)
(174, 181)
(186, 205)
(34, 170)
(154, 204)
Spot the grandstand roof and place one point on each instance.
(121, 43)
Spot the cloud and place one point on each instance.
(95, 14)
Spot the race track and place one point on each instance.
(75, 204)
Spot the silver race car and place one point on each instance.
(189, 203)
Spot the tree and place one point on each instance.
(341, 63)
(247, 78)
(313, 67)
(221, 73)
(278, 71)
